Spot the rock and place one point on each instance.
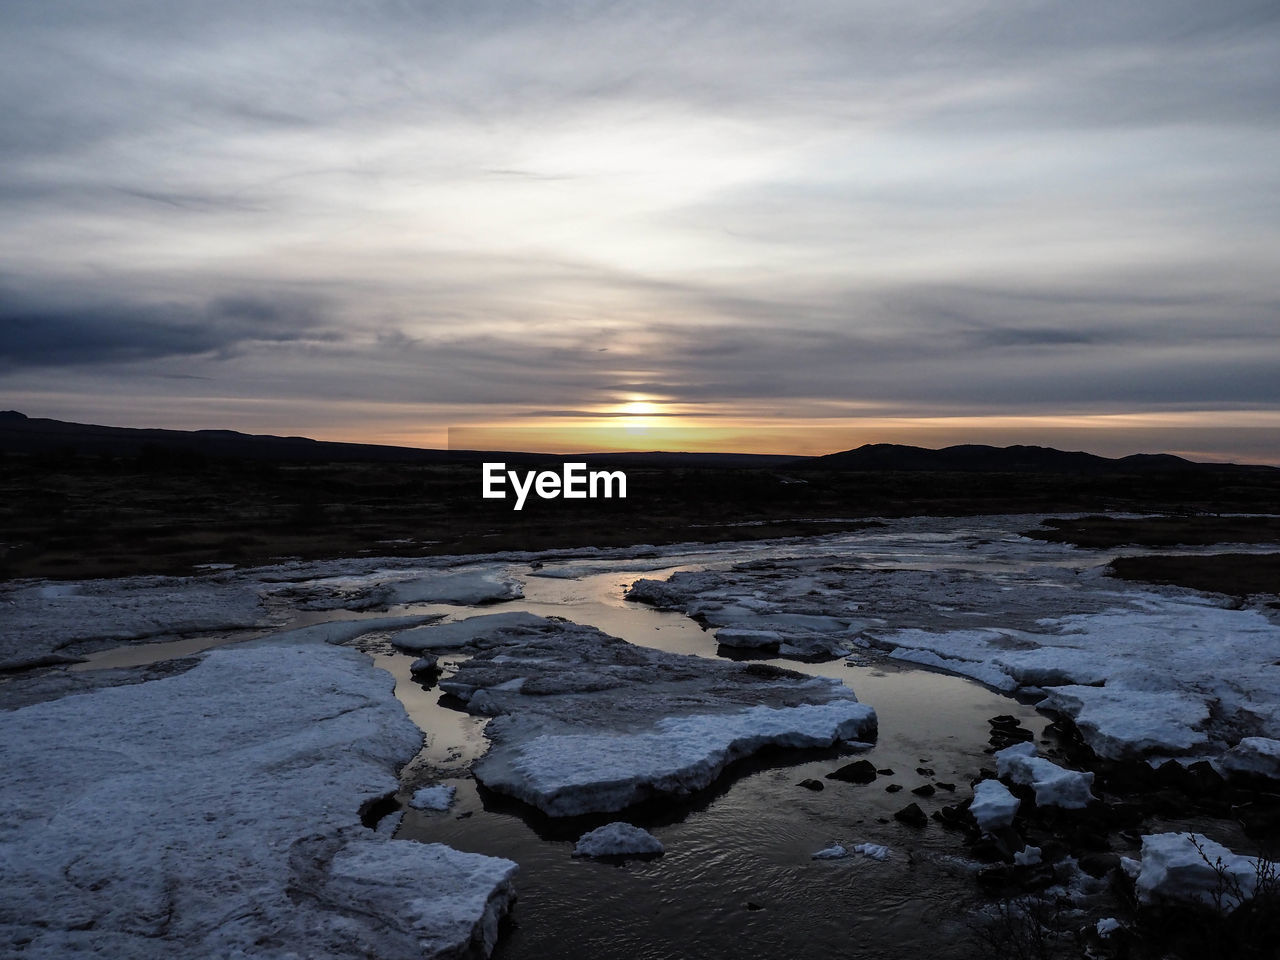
(893, 788)
(886, 772)
(997, 875)
(924, 790)
(912, 816)
(949, 787)
(810, 784)
(924, 771)
(860, 771)
(424, 666)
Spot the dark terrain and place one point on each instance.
(83, 501)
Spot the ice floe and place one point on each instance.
(1253, 756)
(618, 839)
(468, 586)
(438, 797)
(993, 806)
(1054, 786)
(1191, 868)
(1143, 671)
(52, 622)
(839, 851)
(585, 722)
(217, 813)
(459, 633)
(836, 851)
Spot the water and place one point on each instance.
(737, 879)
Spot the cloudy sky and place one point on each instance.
(794, 227)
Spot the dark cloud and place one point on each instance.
(48, 335)
(548, 207)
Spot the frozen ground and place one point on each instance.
(216, 813)
(588, 723)
(244, 775)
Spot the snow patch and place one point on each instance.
(993, 806)
(618, 839)
(1173, 869)
(1055, 786)
(438, 797)
(216, 813)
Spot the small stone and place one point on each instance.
(1099, 864)
(912, 816)
(950, 787)
(924, 790)
(860, 771)
(893, 788)
(924, 771)
(810, 784)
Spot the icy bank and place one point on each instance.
(467, 586)
(1173, 869)
(1143, 672)
(585, 722)
(460, 633)
(1253, 756)
(51, 622)
(216, 813)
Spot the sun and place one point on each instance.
(640, 408)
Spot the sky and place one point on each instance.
(766, 227)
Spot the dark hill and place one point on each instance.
(978, 458)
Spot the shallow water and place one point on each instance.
(737, 879)
(748, 840)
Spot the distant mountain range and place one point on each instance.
(32, 435)
(977, 458)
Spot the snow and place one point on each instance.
(1055, 786)
(1120, 722)
(1174, 870)
(1144, 671)
(749, 639)
(216, 813)
(459, 633)
(574, 773)
(838, 851)
(1107, 926)
(618, 839)
(993, 806)
(833, 852)
(585, 722)
(438, 797)
(44, 622)
(426, 583)
(872, 851)
(1257, 756)
(1027, 857)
